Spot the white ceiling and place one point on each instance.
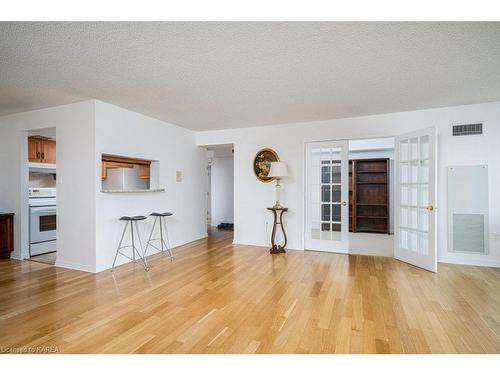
(224, 75)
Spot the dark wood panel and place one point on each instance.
(6, 235)
(369, 195)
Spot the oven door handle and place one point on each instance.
(43, 211)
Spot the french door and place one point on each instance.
(415, 224)
(327, 196)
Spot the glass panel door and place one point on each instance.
(415, 201)
(327, 195)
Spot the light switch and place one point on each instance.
(178, 176)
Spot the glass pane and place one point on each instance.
(413, 195)
(424, 195)
(413, 218)
(405, 173)
(326, 156)
(325, 231)
(424, 147)
(336, 194)
(403, 239)
(325, 212)
(423, 222)
(403, 150)
(414, 172)
(47, 223)
(336, 174)
(325, 174)
(403, 217)
(424, 171)
(413, 241)
(423, 243)
(325, 193)
(404, 195)
(336, 155)
(414, 148)
(336, 212)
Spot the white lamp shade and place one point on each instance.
(278, 169)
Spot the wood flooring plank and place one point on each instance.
(217, 297)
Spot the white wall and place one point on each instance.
(222, 199)
(74, 125)
(123, 132)
(250, 215)
(88, 229)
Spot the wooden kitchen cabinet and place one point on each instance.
(49, 151)
(41, 150)
(6, 235)
(113, 161)
(34, 149)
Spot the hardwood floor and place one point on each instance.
(221, 298)
(49, 258)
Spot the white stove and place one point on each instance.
(42, 196)
(43, 223)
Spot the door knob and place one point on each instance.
(430, 208)
(344, 203)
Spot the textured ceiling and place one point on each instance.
(225, 75)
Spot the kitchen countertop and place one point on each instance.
(131, 190)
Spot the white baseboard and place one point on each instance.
(75, 266)
(153, 251)
(474, 262)
(264, 245)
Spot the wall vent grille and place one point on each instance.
(467, 129)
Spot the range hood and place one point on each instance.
(42, 167)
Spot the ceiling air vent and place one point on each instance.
(467, 129)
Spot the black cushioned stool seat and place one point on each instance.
(134, 218)
(161, 214)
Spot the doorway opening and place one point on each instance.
(348, 197)
(371, 192)
(220, 190)
(42, 174)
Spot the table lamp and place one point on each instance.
(278, 170)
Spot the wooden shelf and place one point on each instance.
(369, 194)
(370, 230)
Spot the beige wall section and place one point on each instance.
(74, 125)
(251, 196)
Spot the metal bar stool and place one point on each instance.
(163, 234)
(132, 220)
